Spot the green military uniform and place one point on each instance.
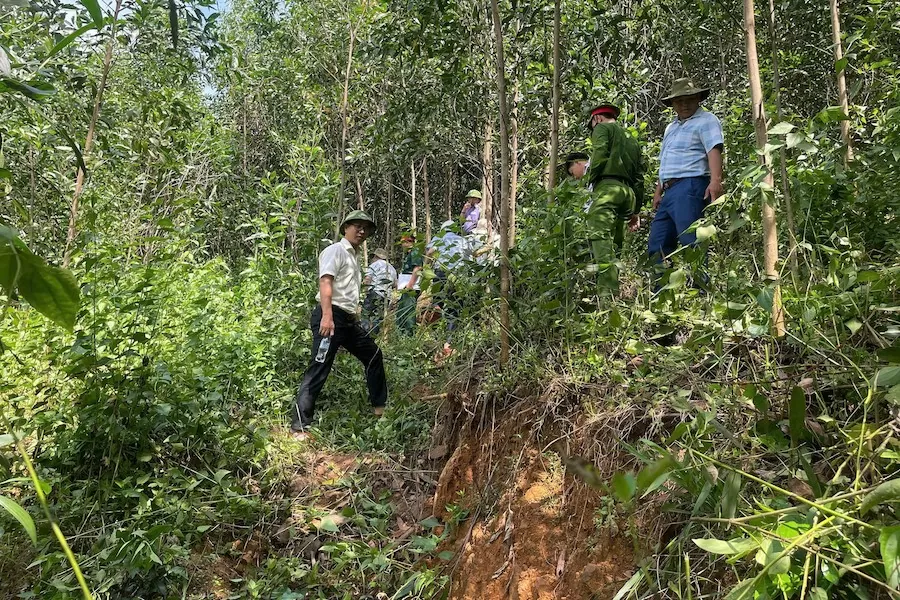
(617, 176)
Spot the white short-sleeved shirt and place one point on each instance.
(341, 262)
(383, 277)
(687, 143)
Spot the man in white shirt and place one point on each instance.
(381, 280)
(335, 320)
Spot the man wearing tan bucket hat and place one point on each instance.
(690, 169)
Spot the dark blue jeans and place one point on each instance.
(681, 205)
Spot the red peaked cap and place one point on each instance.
(608, 110)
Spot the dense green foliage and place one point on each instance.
(147, 362)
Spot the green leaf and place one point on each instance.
(797, 416)
(889, 491)
(51, 291)
(6, 439)
(853, 324)
(766, 298)
(735, 546)
(782, 128)
(430, 523)
(891, 355)
(19, 514)
(887, 377)
(677, 279)
(654, 475)
(817, 593)
(744, 590)
(446, 555)
(70, 38)
(890, 545)
(93, 7)
(769, 556)
(36, 90)
(832, 114)
(705, 232)
(730, 495)
(407, 588)
(840, 65)
(624, 486)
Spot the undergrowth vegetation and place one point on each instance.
(169, 174)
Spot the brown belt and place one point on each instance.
(670, 182)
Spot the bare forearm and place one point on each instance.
(325, 294)
(715, 164)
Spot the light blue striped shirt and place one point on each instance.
(686, 144)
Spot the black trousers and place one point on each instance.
(348, 334)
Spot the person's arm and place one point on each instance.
(326, 327)
(657, 195)
(412, 279)
(714, 190)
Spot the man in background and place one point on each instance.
(381, 280)
(471, 212)
(690, 169)
(409, 283)
(616, 179)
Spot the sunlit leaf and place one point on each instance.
(889, 540)
(889, 491)
(93, 8)
(21, 515)
(735, 546)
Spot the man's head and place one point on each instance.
(408, 240)
(357, 226)
(576, 164)
(473, 197)
(685, 97)
(380, 254)
(605, 113)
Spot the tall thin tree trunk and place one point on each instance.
(89, 138)
(389, 216)
(514, 163)
(361, 202)
(345, 126)
(554, 116)
(451, 188)
(505, 165)
(487, 173)
(770, 226)
(244, 135)
(785, 182)
(426, 197)
(412, 174)
(841, 80)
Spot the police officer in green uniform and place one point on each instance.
(616, 179)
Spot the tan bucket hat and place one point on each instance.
(381, 253)
(684, 86)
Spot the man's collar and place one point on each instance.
(697, 112)
(347, 245)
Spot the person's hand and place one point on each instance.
(657, 198)
(634, 223)
(713, 191)
(326, 327)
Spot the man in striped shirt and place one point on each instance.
(690, 169)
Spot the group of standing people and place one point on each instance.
(690, 177)
(612, 175)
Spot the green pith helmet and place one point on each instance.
(474, 194)
(358, 215)
(684, 87)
